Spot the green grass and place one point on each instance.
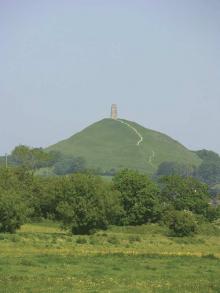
(42, 258)
(110, 144)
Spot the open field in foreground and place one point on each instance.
(41, 258)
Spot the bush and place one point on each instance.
(68, 165)
(210, 229)
(213, 213)
(182, 223)
(46, 195)
(185, 194)
(12, 212)
(174, 168)
(139, 196)
(88, 204)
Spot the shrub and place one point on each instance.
(168, 168)
(210, 229)
(88, 204)
(213, 213)
(185, 194)
(68, 165)
(12, 211)
(183, 223)
(139, 196)
(47, 193)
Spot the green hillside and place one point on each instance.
(112, 144)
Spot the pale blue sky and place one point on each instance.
(62, 64)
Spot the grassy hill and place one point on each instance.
(109, 144)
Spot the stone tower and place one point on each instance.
(114, 112)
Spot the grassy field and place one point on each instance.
(110, 144)
(42, 258)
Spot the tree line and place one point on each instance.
(208, 171)
(84, 202)
(36, 158)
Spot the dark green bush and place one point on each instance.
(185, 194)
(13, 211)
(88, 204)
(182, 223)
(213, 213)
(139, 197)
(68, 165)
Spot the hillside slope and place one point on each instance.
(116, 144)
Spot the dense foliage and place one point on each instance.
(174, 168)
(83, 203)
(38, 159)
(53, 162)
(185, 193)
(140, 197)
(13, 211)
(208, 171)
(182, 223)
(14, 190)
(32, 158)
(67, 165)
(87, 204)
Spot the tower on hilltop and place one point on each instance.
(114, 112)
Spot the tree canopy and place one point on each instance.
(185, 193)
(139, 196)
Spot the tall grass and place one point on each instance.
(41, 258)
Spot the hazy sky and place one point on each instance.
(63, 63)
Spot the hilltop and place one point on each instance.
(114, 144)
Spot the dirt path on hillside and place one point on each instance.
(135, 130)
(152, 156)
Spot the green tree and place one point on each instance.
(31, 158)
(139, 196)
(213, 213)
(16, 178)
(174, 168)
(182, 223)
(185, 193)
(87, 204)
(209, 170)
(68, 165)
(21, 155)
(207, 155)
(42, 198)
(13, 211)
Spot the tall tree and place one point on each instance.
(185, 193)
(140, 197)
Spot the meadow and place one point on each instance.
(43, 258)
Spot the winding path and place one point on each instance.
(152, 156)
(135, 130)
